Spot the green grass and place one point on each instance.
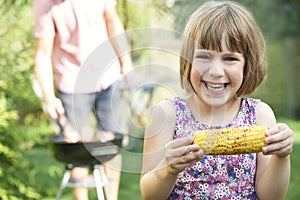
(48, 173)
(294, 192)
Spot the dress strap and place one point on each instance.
(248, 108)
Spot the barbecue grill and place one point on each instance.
(91, 154)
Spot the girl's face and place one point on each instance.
(217, 76)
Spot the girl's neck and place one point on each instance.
(215, 115)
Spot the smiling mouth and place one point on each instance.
(215, 87)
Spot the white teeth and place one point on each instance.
(215, 86)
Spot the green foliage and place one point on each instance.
(7, 114)
(276, 18)
(282, 20)
(293, 192)
(16, 100)
(14, 184)
(136, 16)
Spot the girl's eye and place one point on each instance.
(231, 59)
(202, 56)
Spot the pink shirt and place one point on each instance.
(78, 28)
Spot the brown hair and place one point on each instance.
(206, 28)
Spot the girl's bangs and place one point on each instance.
(211, 37)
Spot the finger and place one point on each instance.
(277, 128)
(184, 141)
(191, 157)
(60, 110)
(181, 151)
(59, 107)
(283, 134)
(188, 158)
(281, 152)
(182, 162)
(175, 155)
(278, 146)
(51, 112)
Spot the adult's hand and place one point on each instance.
(54, 108)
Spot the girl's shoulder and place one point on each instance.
(181, 105)
(264, 114)
(165, 109)
(260, 106)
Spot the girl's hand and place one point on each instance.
(280, 140)
(180, 153)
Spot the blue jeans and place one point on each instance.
(106, 106)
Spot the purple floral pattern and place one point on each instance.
(215, 177)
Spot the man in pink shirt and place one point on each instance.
(67, 32)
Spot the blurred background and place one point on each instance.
(27, 168)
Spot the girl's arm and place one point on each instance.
(273, 165)
(164, 157)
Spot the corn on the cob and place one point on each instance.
(226, 141)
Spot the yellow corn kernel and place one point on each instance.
(226, 141)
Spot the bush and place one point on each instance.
(17, 101)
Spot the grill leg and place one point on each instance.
(101, 182)
(105, 181)
(64, 183)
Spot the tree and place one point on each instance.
(16, 100)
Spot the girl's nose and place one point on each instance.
(216, 69)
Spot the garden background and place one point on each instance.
(27, 168)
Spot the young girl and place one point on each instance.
(223, 59)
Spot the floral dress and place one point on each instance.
(215, 177)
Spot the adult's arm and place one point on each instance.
(44, 73)
(117, 36)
